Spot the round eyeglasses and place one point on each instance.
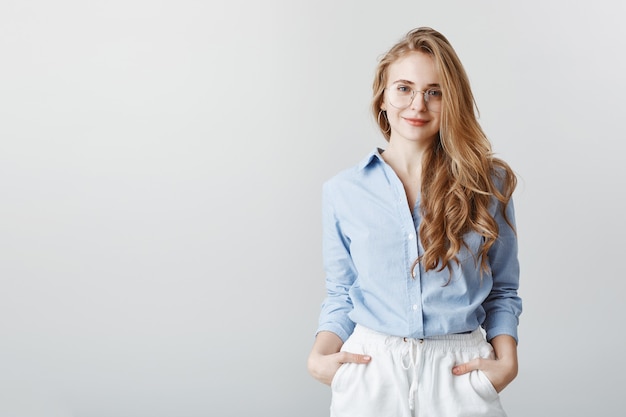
(401, 96)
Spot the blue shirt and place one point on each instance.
(370, 242)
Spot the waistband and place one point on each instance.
(456, 342)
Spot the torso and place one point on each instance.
(412, 186)
(412, 182)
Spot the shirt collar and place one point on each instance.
(374, 155)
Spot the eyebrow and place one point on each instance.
(412, 83)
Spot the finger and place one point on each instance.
(466, 367)
(347, 357)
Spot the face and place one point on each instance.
(415, 123)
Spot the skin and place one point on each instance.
(414, 128)
(412, 131)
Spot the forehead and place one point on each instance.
(417, 67)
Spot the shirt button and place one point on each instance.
(414, 307)
(411, 236)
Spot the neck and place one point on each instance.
(405, 157)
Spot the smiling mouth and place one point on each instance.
(416, 122)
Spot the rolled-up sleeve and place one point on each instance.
(339, 269)
(503, 306)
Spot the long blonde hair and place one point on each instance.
(460, 175)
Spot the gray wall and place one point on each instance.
(161, 165)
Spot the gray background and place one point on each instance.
(161, 166)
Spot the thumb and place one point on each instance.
(347, 357)
(465, 367)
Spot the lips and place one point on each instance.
(416, 122)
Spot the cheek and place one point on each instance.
(392, 115)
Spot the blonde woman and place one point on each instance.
(420, 253)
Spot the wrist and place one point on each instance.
(505, 350)
(326, 343)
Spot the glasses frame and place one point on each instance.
(413, 94)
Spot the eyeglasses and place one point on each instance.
(401, 96)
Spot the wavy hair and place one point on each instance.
(460, 175)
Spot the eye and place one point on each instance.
(403, 89)
(434, 93)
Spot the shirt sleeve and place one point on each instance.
(503, 306)
(339, 269)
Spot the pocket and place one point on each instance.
(478, 379)
(482, 385)
(335, 383)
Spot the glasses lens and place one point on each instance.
(433, 98)
(401, 96)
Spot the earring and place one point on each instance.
(386, 120)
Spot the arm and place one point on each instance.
(339, 269)
(505, 348)
(502, 307)
(334, 324)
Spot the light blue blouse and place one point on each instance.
(370, 242)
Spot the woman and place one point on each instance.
(420, 253)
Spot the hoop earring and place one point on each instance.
(387, 120)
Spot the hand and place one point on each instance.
(325, 358)
(324, 367)
(500, 371)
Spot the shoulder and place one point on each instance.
(353, 175)
(503, 177)
(342, 178)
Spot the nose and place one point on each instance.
(418, 102)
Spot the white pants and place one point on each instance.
(413, 377)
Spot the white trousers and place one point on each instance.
(413, 377)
